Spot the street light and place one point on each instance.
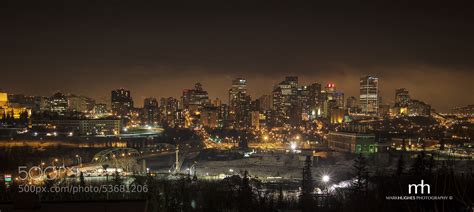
(55, 160)
(80, 160)
(326, 178)
(293, 146)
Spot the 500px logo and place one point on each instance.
(40, 173)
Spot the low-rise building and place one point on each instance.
(83, 126)
(11, 110)
(352, 142)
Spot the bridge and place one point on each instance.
(127, 158)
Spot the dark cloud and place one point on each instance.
(91, 47)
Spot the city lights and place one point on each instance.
(293, 146)
(325, 178)
(212, 106)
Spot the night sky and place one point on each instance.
(91, 47)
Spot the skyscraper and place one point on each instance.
(369, 95)
(351, 104)
(195, 99)
(402, 97)
(265, 102)
(239, 102)
(150, 111)
(210, 117)
(237, 92)
(284, 97)
(217, 102)
(315, 96)
(169, 107)
(327, 100)
(122, 102)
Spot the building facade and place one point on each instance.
(369, 95)
(352, 142)
(122, 103)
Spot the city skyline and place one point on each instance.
(159, 49)
(388, 98)
(113, 105)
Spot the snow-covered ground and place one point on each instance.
(279, 166)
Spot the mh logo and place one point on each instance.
(422, 186)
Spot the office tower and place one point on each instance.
(328, 100)
(195, 99)
(284, 97)
(278, 101)
(314, 96)
(306, 107)
(302, 108)
(239, 103)
(237, 93)
(255, 105)
(384, 110)
(255, 119)
(292, 81)
(150, 111)
(168, 108)
(122, 102)
(240, 114)
(209, 117)
(265, 103)
(402, 97)
(224, 114)
(216, 102)
(59, 103)
(351, 104)
(339, 99)
(369, 95)
(80, 103)
(239, 85)
(336, 115)
(100, 110)
(170, 105)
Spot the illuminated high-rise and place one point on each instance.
(121, 102)
(369, 95)
(351, 104)
(59, 103)
(239, 102)
(150, 111)
(265, 102)
(237, 92)
(195, 99)
(284, 98)
(402, 97)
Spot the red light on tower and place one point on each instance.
(331, 85)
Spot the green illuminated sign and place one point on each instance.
(8, 178)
